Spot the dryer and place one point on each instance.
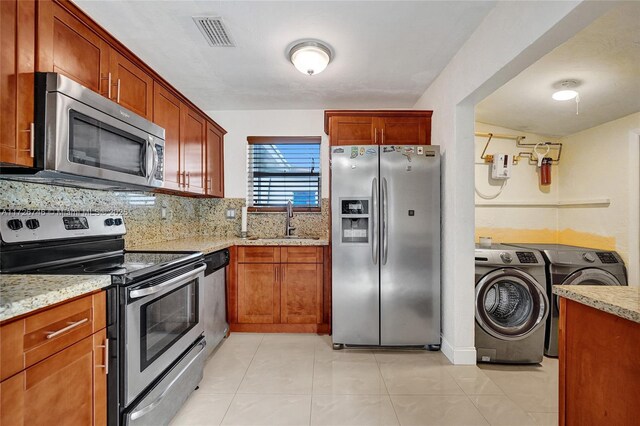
(511, 305)
(573, 265)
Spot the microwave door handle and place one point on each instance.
(154, 151)
(147, 408)
(135, 294)
(149, 161)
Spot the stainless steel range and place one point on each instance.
(155, 305)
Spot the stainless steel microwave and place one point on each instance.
(86, 140)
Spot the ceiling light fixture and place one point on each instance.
(310, 57)
(567, 92)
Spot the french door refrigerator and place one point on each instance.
(385, 206)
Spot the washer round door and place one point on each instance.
(591, 276)
(510, 304)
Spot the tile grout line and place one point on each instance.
(241, 380)
(393, 407)
(313, 376)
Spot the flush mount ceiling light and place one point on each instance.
(310, 57)
(567, 92)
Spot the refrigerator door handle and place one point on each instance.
(374, 221)
(385, 227)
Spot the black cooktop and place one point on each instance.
(124, 267)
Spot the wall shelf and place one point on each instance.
(596, 202)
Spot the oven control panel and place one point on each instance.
(32, 226)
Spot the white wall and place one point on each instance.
(243, 123)
(601, 163)
(505, 223)
(512, 37)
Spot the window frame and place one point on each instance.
(282, 140)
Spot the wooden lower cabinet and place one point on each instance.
(598, 367)
(68, 388)
(301, 293)
(269, 294)
(258, 293)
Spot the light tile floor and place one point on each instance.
(285, 379)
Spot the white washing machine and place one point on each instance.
(572, 265)
(511, 305)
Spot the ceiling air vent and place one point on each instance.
(214, 30)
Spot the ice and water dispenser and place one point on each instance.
(354, 217)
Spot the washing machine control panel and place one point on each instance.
(506, 257)
(527, 257)
(607, 257)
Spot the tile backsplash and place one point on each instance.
(143, 212)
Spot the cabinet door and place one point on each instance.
(61, 388)
(192, 137)
(352, 131)
(166, 114)
(131, 87)
(215, 161)
(301, 293)
(404, 130)
(69, 47)
(258, 293)
(17, 40)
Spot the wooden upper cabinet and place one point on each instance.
(352, 131)
(404, 130)
(17, 40)
(192, 137)
(67, 46)
(258, 293)
(130, 86)
(166, 114)
(215, 161)
(389, 127)
(301, 293)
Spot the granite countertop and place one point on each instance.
(622, 301)
(21, 294)
(211, 244)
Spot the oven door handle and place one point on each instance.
(135, 294)
(147, 408)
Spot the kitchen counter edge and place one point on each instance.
(208, 245)
(621, 301)
(26, 293)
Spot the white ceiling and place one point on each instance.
(386, 52)
(604, 57)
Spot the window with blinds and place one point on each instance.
(282, 169)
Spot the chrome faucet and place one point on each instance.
(288, 228)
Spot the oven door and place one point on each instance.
(163, 318)
(83, 140)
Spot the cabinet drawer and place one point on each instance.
(36, 337)
(301, 254)
(258, 254)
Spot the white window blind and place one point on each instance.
(283, 169)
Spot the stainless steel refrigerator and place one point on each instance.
(385, 206)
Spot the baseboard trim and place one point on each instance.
(458, 356)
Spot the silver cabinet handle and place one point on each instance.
(184, 179)
(109, 82)
(32, 139)
(382, 130)
(146, 409)
(134, 294)
(385, 227)
(32, 136)
(375, 136)
(188, 179)
(374, 221)
(52, 334)
(118, 93)
(106, 356)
